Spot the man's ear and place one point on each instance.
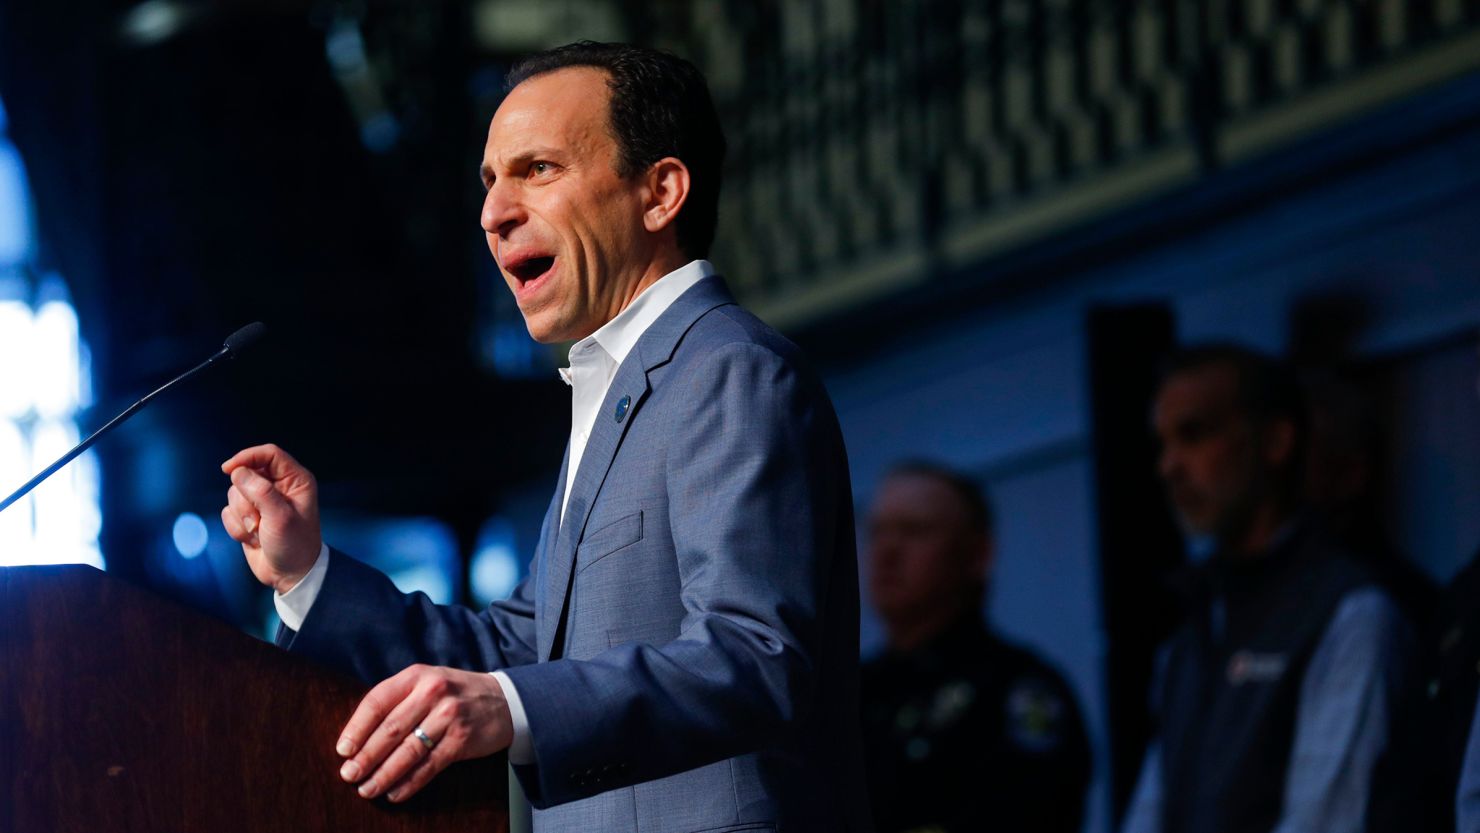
(668, 189)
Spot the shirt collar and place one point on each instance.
(618, 336)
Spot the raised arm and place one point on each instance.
(357, 620)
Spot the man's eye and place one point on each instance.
(541, 168)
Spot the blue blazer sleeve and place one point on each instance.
(361, 624)
(753, 490)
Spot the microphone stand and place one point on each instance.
(238, 340)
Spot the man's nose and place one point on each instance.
(502, 211)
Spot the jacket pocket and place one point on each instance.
(617, 535)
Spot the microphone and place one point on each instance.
(233, 346)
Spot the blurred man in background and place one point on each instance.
(1275, 696)
(963, 731)
(1453, 727)
(1412, 785)
(1455, 688)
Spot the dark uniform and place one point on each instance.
(969, 734)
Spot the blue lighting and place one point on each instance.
(416, 553)
(430, 579)
(380, 132)
(495, 568)
(191, 535)
(43, 385)
(15, 207)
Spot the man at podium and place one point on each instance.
(683, 655)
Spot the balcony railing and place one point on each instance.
(874, 143)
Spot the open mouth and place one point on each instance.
(528, 270)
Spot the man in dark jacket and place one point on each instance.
(1275, 696)
(963, 731)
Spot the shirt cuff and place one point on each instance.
(521, 750)
(292, 606)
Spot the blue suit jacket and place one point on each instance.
(703, 587)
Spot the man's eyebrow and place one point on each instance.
(522, 158)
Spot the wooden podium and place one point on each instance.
(123, 711)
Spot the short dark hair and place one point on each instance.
(660, 107)
(973, 498)
(1265, 388)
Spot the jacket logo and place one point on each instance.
(1253, 667)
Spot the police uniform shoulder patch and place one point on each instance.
(951, 703)
(1035, 715)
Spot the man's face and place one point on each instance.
(566, 230)
(922, 552)
(1209, 458)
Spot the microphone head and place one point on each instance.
(245, 337)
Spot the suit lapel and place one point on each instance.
(596, 460)
(544, 551)
(652, 350)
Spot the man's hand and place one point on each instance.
(462, 713)
(272, 509)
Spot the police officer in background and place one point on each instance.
(1275, 698)
(964, 732)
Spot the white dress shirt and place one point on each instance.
(594, 361)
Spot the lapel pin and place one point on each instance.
(622, 405)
